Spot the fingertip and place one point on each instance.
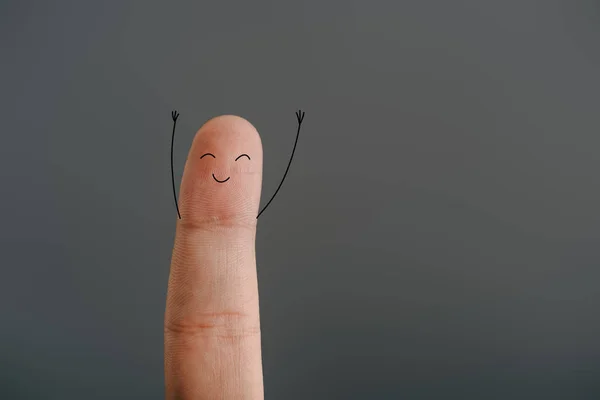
(222, 186)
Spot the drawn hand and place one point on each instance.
(300, 116)
(212, 324)
(174, 115)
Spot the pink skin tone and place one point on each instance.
(226, 137)
(212, 323)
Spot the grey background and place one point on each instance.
(437, 236)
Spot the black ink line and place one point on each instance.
(174, 115)
(208, 154)
(215, 178)
(242, 155)
(300, 117)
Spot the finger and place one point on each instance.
(212, 324)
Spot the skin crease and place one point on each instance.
(212, 322)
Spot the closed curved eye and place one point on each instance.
(242, 155)
(208, 154)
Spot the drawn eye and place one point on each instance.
(242, 155)
(208, 154)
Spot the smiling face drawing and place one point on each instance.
(213, 156)
(223, 172)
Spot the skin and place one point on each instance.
(212, 322)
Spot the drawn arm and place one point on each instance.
(174, 115)
(300, 117)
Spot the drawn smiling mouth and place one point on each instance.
(215, 178)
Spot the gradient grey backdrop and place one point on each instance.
(436, 238)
